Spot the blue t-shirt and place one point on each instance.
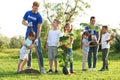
(85, 48)
(93, 31)
(35, 18)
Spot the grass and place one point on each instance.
(9, 59)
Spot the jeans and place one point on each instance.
(68, 56)
(94, 51)
(105, 53)
(40, 56)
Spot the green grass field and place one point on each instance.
(9, 59)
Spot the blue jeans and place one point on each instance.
(94, 51)
(68, 56)
(40, 56)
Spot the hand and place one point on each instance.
(36, 42)
(30, 24)
(107, 41)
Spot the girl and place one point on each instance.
(68, 54)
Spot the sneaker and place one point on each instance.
(29, 67)
(90, 69)
(50, 71)
(84, 69)
(43, 71)
(72, 72)
(56, 71)
(94, 69)
(102, 69)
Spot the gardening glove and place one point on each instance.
(36, 42)
(30, 24)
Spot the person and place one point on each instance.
(52, 44)
(67, 45)
(25, 50)
(85, 49)
(105, 41)
(93, 31)
(33, 20)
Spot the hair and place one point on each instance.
(68, 24)
(106, 27)
(86, 33)
(92, 17)
(31, 34)
(58, 21)
(35, 3)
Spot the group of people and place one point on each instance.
(90, 43)
(91, 39)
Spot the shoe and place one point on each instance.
(102, 69)
(90, 69)
(72, 72)
(43, 71)
(56, 71)
(29, 67)
(50, 71)
(94, 69)
(84, 69)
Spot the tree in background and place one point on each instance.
(66, 11)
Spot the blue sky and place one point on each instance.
(12, 11)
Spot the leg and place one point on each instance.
(24, 62)
(19, 64)
(29, 59)
(105, 58)
(70, 54)
(95, 51)
(84, 60)
(55, 53)
(89, 57)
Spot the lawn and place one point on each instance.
(9, 59)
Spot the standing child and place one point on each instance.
(106, 38)
(25, 50)
(85, 49)
(52, 44)
(68, 53)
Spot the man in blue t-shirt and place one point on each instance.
(93, 31)
(33, 20)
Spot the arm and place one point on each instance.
(98, 37)
(24, 22)
(30, 47)
(111, 38)
(39, 30)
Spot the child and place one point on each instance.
(85, 49)
(106, 38)
(25, 50)
(52, 43)
(67, 44)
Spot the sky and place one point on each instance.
(12, 12)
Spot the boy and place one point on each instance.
(52, 43)
(106, 38)
(25, 50)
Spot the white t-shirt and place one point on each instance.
(53, 37)
(105, 37)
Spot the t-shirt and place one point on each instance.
(85, 48)
(93, 31)
(53, 37)
(24, 49)
(35, 18)
(105, 37)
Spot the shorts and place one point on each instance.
(24, 53)
(52, 52)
